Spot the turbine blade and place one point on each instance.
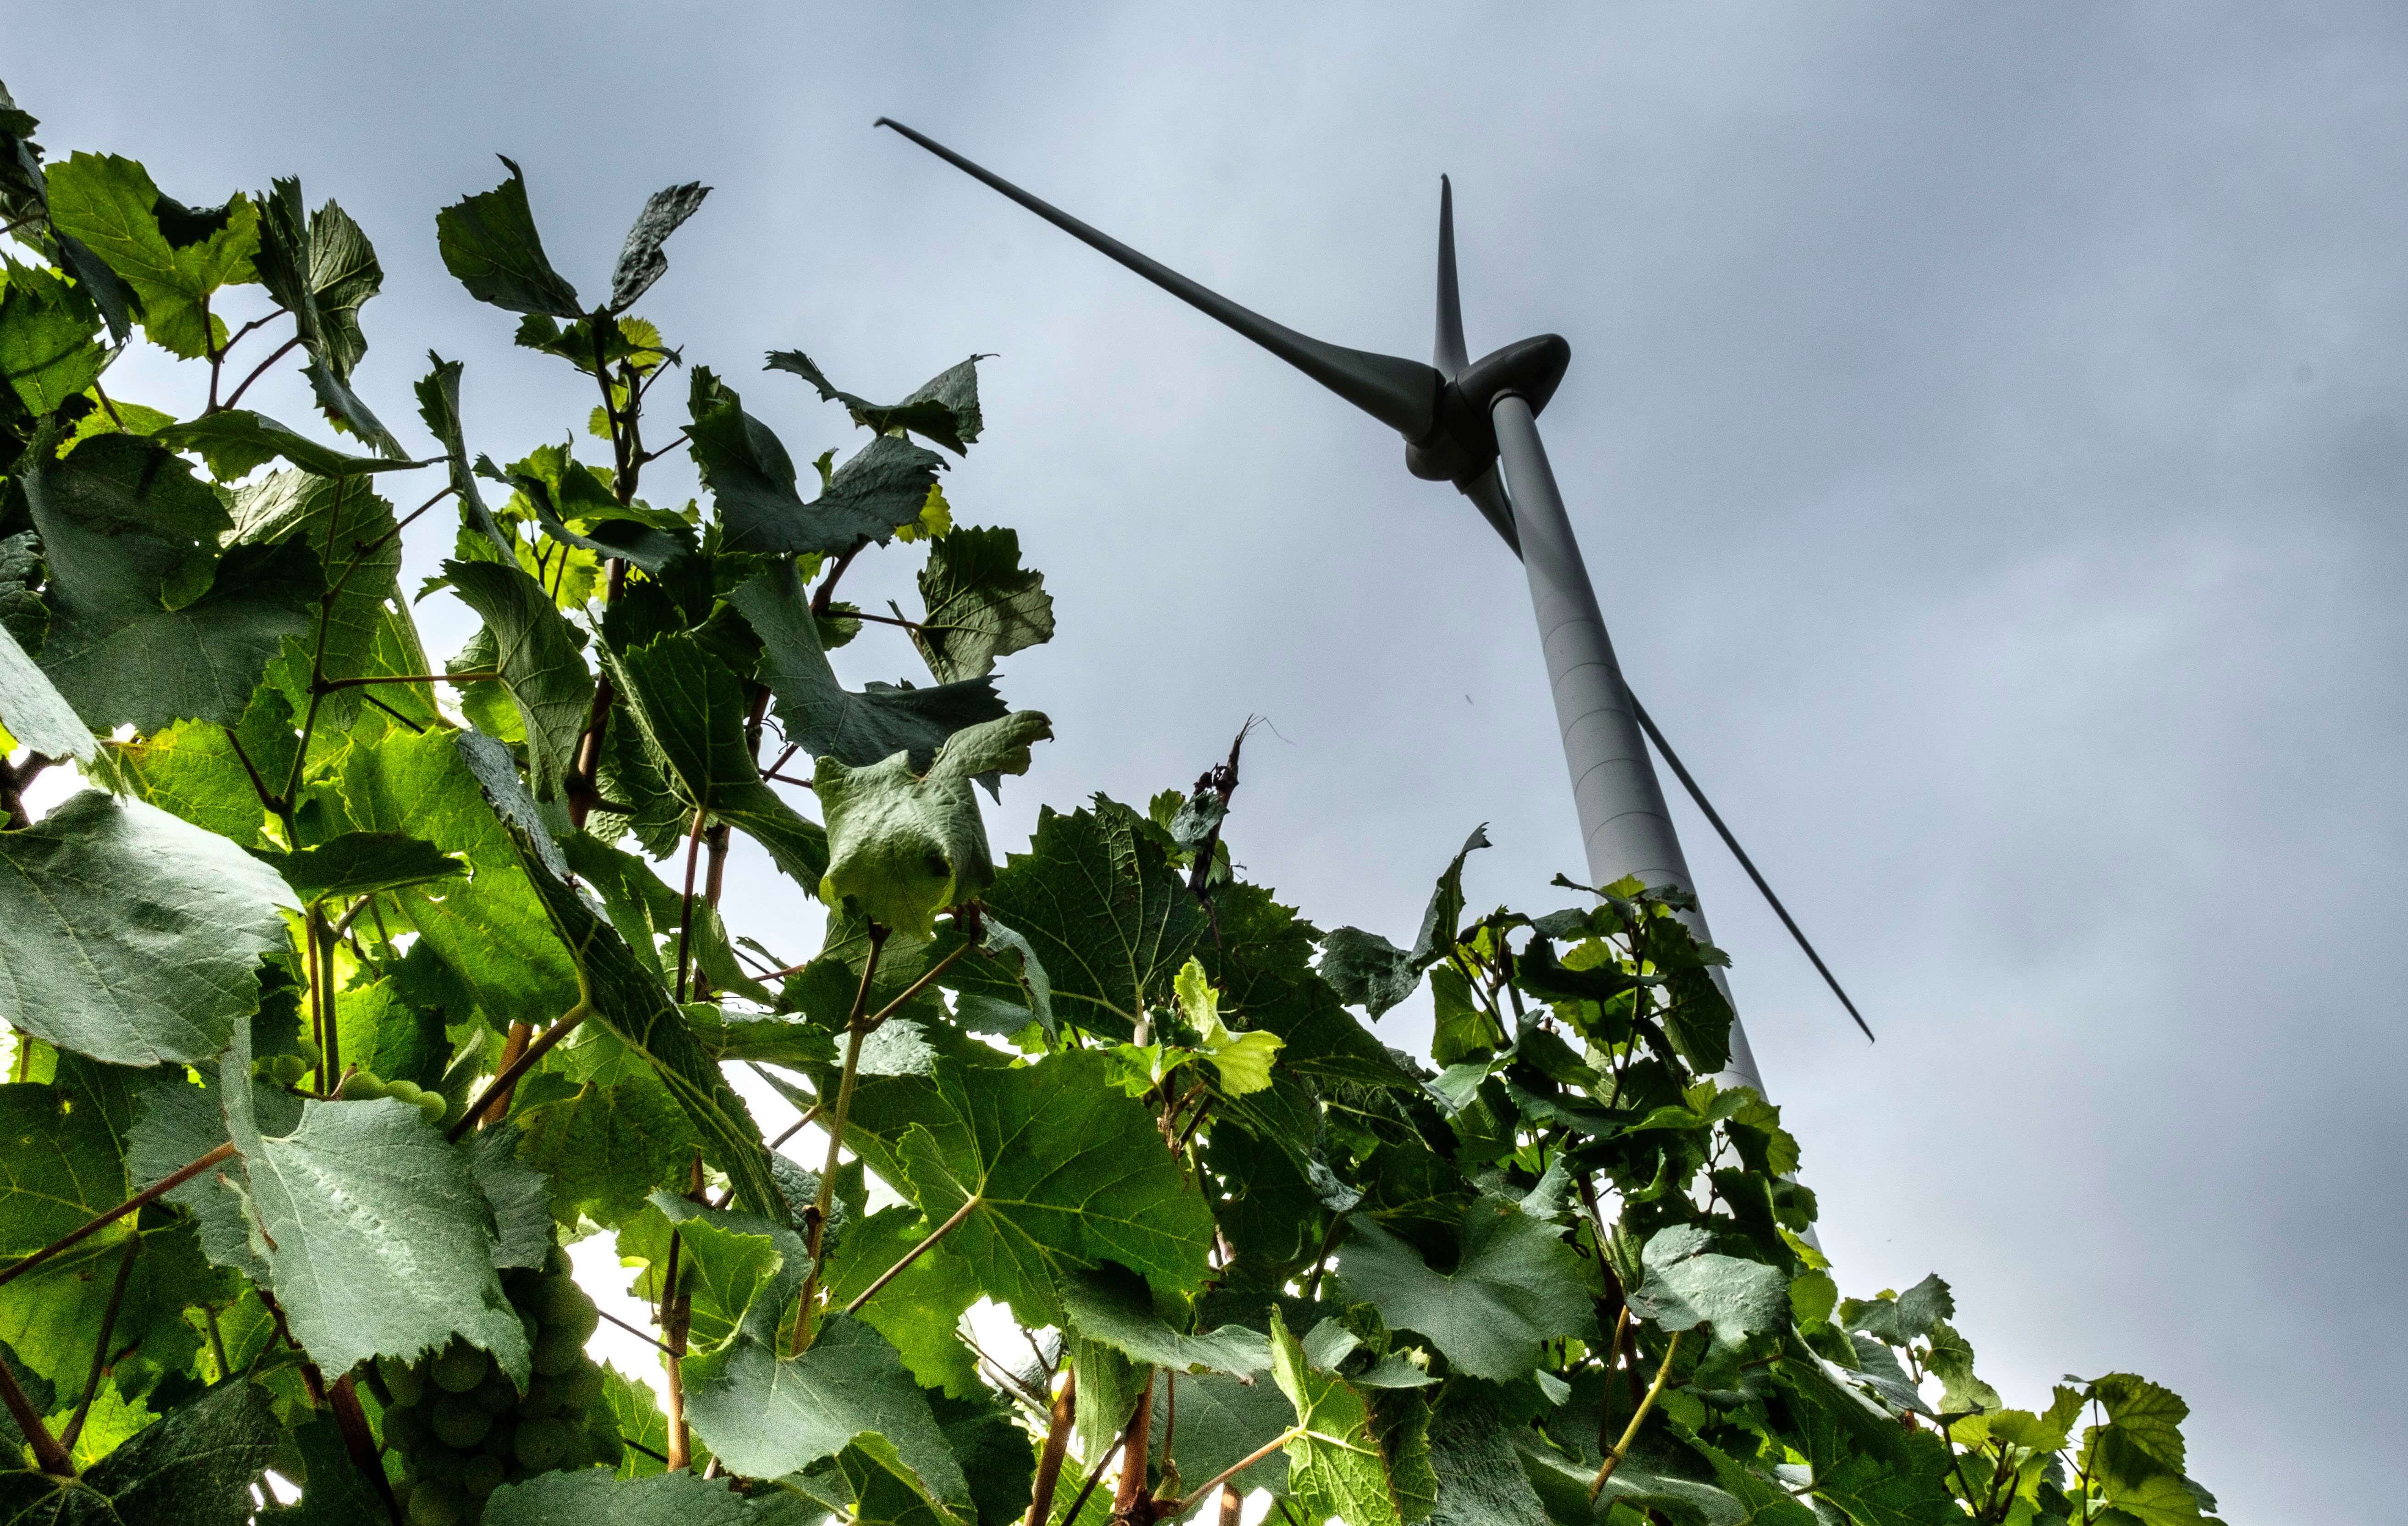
(1488, 495)
(1451, 356)
(1401, 393)
(1648, 722)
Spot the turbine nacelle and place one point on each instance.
(1441, 411)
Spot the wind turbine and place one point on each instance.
(1475, 423)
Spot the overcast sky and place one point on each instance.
(1985, 427)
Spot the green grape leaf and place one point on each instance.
(119, 519)
(1515, 1284)
(1898, 1318)
(588, 1496)
(726, 1260)
(130, 936)
(322, 270)
(109, 205)
(1368, 971)
(2137, 1457)
(35, 714)
(536, 651)
(64, 1141)
(995, 1455)
(1689, 1284)
(1261, 964)
(519, 1196)
(491, 933)
(1243, 1059)
(196, 1467)
(766, 1416)
(360, 864)
(343, 525)
(1065, 1169)
(945, 410)
(640, 260)
(1109, 1304)
(625, 998)
(1336, 1466)
(1222, 1421)
(379, 1241)
(919, 1311)
(691, 707)
(235, 441)
(194, 771)
(904, 843)
(489, 245)
(981, 603)
(635, 1414)
(21, 610)
(438, 405)
(333, 1491)
(878, 490)
(1108, 917)
(648, 913)
(826, 717)
(1481, 1481)
(47, 351)
(604, 1147)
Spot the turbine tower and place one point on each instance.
(1475, 423)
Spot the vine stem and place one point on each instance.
(685, 909)
(100, 1347)
(1266, 1449)
(914, 1254)
(500, 1086)
(824, 1204)
(330, 686)
(359, 1441)
(1630, 1432)
(1058, 1447)
(48, 1454)
(1137, 1452)
(149, 1194)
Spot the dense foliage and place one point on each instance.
(347, 990)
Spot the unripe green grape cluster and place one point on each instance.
(360, 1085)
(462, 1430)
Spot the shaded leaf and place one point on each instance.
(1515, 1285)
(821, 713)
(361, 863)
(640, 260)
(981, 603)
(130, 936)
(1336, 1466)
(881, 488)
(235, 441)
(628, 999)
(1068, 1171)
(904, 843)
(1108, 917)
(35, 714)
(119, 518)
(691, 708)
(945, 410)
(109, 206)
(489, 245)
(196, 1467)
(536, 651)
(1109, 1303)
(379, 1241)
(1689, 1284)
(767, 1417)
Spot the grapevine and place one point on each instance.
(349, 987)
